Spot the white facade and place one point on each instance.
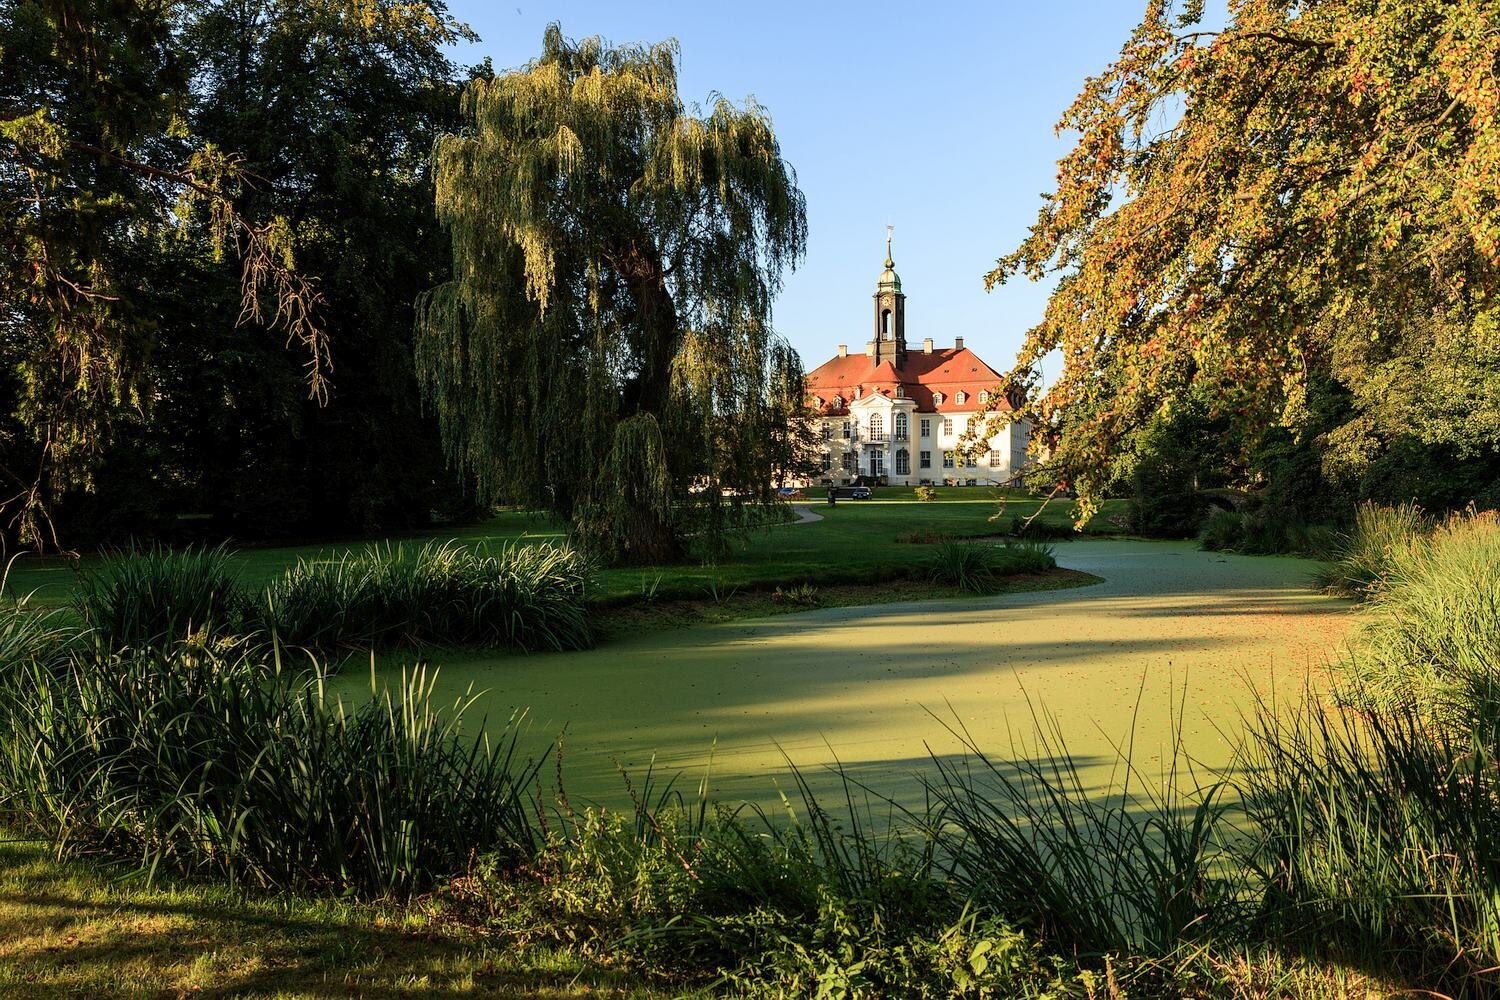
(886, 437)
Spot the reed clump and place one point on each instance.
(526, 597)
(241, 768)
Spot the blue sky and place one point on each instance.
(937, 118)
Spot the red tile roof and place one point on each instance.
(946, 370)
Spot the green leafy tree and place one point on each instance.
(1304, 202)
(604, 345)
(97, 175)
(330, 111)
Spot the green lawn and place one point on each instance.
(855, 540)
(70, 928)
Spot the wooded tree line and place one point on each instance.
(217, 217)
(245, 241)
(221, 217)
(1279, 249)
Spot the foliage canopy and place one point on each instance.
(1293, 223)
(604, 345)
(170, 173)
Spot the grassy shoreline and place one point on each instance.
(635, 616)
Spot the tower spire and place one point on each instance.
(890, 312)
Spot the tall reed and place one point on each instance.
(1430, 635)
(1360, 558)
(236, 767)
(141, 597)
(1140, 867)
(1379, 841)
(529, 597)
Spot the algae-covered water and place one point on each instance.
(1171, 628)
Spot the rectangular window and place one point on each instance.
(926, 460)
(995, 460)
(948, 426)
(827, 431)
(827, 461)
(926, 428)
(847, 430)
(848, 461)
(947, 459)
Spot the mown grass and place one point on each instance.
(855, 541)
(88, 929)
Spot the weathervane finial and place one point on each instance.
(889, 232)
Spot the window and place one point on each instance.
(848, 461)
(937, 399)
(947, 459)
(848, 430)
(901, 427)
(926, 460)
(818, 401)
(885, 323)
(903, 462)
(877, 427)
(995, 460)
(827, 461)
(877, 463)
(960, 397)
(948, 425)
(984, 396)
(827, 430)
(900, 392)
(926, 428)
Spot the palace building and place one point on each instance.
(894, 415)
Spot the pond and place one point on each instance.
(1171, 630)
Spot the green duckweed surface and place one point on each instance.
(1171, 629)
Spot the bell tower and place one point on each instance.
(890, 312)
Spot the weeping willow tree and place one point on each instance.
(603, 350)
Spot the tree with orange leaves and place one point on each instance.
(1292, 224)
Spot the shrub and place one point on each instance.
(528, 597)
(1169, 515)
(147, 597)
(200, 764)
(1360, 558)
(926, 494)
(812, 904)
(805, 595)
(1262, 530)
(1222, 530)
(1039, 529)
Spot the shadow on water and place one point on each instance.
(856, 683)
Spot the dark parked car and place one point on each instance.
(861, 493)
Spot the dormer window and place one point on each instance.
(984, 397)
(959, 397)
(937, 399)
(900, 392)
(818, 400)
(838, 402)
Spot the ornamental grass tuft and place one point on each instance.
(235, 767)
(527, 597)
